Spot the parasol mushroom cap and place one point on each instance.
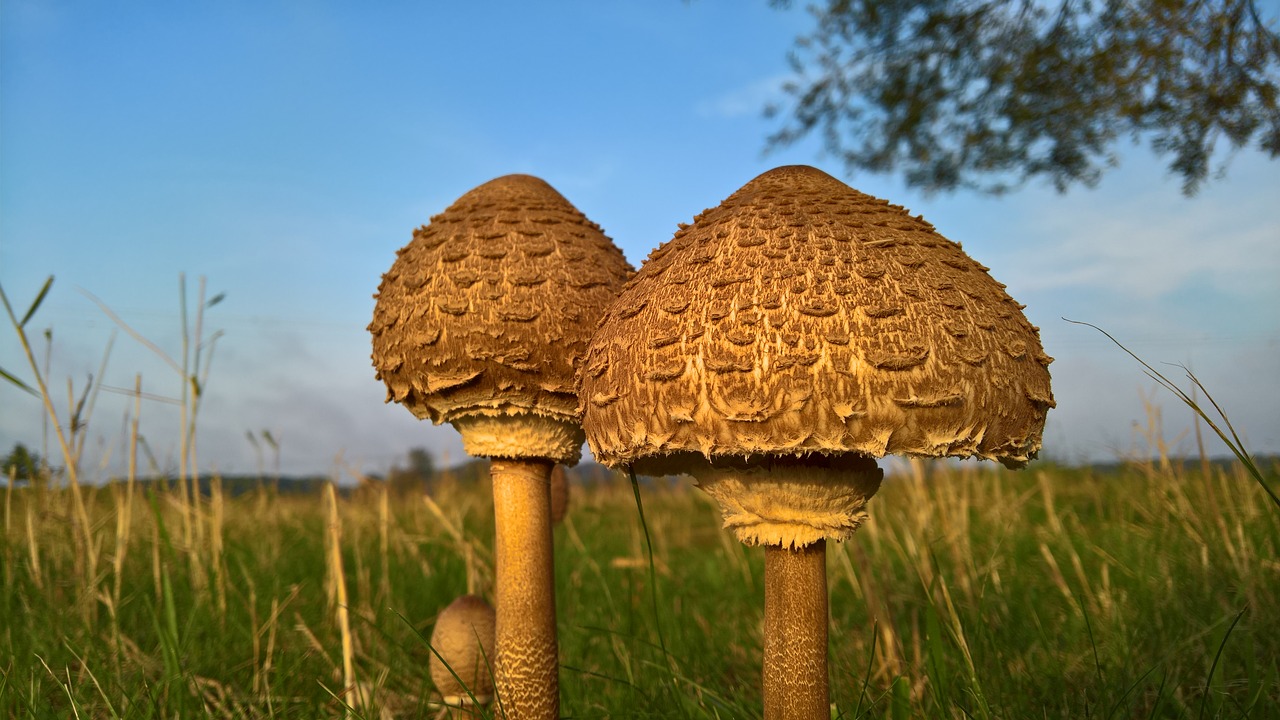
(464, 638)
(485, 314)
(801, 317)
(802, 320)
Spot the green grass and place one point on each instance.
(1148, 592)
(974, 592)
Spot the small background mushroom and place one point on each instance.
(776, 346)
(463, 640)
(481, 322)
(559, 494)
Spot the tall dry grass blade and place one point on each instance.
(892, 660)
(157, 535)
(33, 549)
(66, 687)
(185, 504)
(1195, 424)
(478, 560)
(187, 474)
(193, 369)
(122, 546)
(384, 543)
(257, 454)
(44, 417)
(271, 628)
(89, 400)
(190, 468)
(360, 571)
(339, 586)
(250, 596)
(1055, 573)
(445, 522)
(1206, 470)
(8, 498)
(275, 448)
(217, 561)
(106, 310)
(271, 646)
(1233, 442)
(124, 515)
(197, 379)
(85, 667)
(957, 633)
(81, 511)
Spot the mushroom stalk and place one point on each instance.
(527, 664)
(795, 633)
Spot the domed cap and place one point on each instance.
(464, 637)
(490, 307)
(802, 317)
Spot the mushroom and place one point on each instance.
(463, 641)
(559, 494)
(777, 346)
(480, 322)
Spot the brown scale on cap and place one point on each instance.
(486, 312)
(804, 317)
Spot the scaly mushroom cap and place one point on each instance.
(804, 318)
(464, 638)
(487, 311)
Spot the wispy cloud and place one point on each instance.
(1146, 246)
(748, 100)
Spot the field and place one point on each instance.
(1147, 591)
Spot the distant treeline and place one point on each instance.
(592, 473)
(1265, 463)
(473, 471)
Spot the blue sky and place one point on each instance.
(284, 150)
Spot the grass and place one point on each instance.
(971, 593)
(1144, 592)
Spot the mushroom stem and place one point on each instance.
(795, 633)
(527, 664)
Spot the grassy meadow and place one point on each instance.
(1146, 590)
(1150, 591)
